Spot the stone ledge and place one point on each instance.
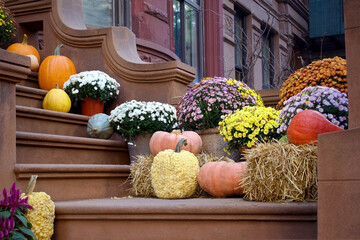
(197, 218)
(67, 182)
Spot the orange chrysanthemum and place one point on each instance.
(329, 72)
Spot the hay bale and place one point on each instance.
(281, 172)
(140, 178)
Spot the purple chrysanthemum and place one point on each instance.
(328, 101)
(214, 97)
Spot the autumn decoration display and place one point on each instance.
(205, 103)
(330, 102)
(329, 72)
(246, 127)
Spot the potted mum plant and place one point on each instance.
(93, 89)
(330, 102)
(252, 124)
(207, 103)
(136, 121)
(7, 25)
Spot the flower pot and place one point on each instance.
(90, 106)
(214, 144)
(139, 146)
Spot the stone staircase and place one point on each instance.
(87, 177)
(55, 146)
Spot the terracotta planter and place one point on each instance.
(139, 146)
(214, 144)
(90, 106)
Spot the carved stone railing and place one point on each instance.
(112, 50)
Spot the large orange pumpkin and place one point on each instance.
(221, 179)
(161, 141)
(55, 69)
(24, 49)
(306, 125)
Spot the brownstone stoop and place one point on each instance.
(86, 177)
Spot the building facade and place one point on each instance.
(259, 42)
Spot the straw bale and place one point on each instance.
(280, 172)
(140, 178)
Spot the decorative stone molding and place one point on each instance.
(229, 27)
(156, 12)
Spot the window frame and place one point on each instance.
(241, 70)
(268, 36)
(121, 15)
(200, 35)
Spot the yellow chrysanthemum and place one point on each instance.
(247, 126)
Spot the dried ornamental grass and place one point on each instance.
(140, 178)
(281, 172)
(329, 72)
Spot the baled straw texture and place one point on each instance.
(140, 177)
(281, 172)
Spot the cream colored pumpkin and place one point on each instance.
(34, 63)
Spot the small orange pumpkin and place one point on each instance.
(55, 69)
(221, 179)
(306, 125)
(161, 141)
(24, 49)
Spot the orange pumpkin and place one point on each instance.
(24, 49)
(160, 141)
(55, 69)
(221, 179)
(306, 125)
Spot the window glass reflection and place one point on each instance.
(98, 13)
(177, 27)
(191, 23)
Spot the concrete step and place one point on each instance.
(40, 148)
(64, 182)
(198, 218)
(30, 119)
(29, 96)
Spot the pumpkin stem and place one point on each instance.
(57, 86)
(25, 39)
(181, 142)
(31, 186)
(57, 49)
(176, 131)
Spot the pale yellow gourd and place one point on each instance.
(57, 100)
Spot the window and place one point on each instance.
(240, 45)
(267, 59)
(188, 33)
(106, 13)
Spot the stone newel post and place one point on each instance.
(13, 68)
